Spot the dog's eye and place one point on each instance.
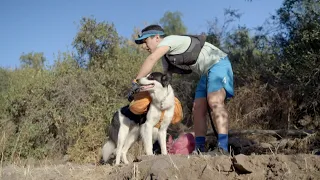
(150, 77)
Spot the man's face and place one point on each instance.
(150, 43)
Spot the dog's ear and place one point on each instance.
(166, 79)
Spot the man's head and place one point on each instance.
(150, 37)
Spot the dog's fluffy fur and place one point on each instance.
(123, 132)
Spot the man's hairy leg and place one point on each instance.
(219, 115)
(200, 122)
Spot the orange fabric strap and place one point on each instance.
(158, 125)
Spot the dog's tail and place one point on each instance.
(107, 150)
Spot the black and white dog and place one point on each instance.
(162, 95)
(126, 127)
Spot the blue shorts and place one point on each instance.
(220, 75)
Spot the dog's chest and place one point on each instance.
(155, 113)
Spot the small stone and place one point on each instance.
(241, 164)
(266, 145)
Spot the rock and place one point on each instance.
(266, 145)
(305, 121)
(282, 143)
(240, 142)
(208, 173)
(223, 163)
(241, 164)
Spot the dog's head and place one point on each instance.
(154, 80)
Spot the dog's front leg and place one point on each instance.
(162, 136)
(146, 134)
(123, 132)
(132, 137)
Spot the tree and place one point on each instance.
(95, 41)
(297, 45)
(33, 60)
(172, 23)
(4, 79)
(246, 51)
(299, 40)
(217, 33)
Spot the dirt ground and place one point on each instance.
(268, 158)
(300, 166)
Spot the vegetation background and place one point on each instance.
(65, 109)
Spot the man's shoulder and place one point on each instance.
(185, 38)
(177, 43)
(175, 40)
(170, 37)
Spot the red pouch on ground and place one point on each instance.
(184, 144)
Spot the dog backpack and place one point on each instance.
(141, 102)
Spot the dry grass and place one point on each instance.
(259, 106)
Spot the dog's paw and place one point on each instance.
(118, 164)
(149, 153)
(165, 153)
(125, 161)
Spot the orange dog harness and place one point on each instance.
(141, 102)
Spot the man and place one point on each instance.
(183, 55)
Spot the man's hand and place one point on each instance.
(134, 89)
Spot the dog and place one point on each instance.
(162, 95)
(126, 127)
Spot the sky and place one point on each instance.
(49, 26)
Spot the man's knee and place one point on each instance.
(218, 109)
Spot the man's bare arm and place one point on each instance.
(151, 61)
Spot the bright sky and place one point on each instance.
(49, 26)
